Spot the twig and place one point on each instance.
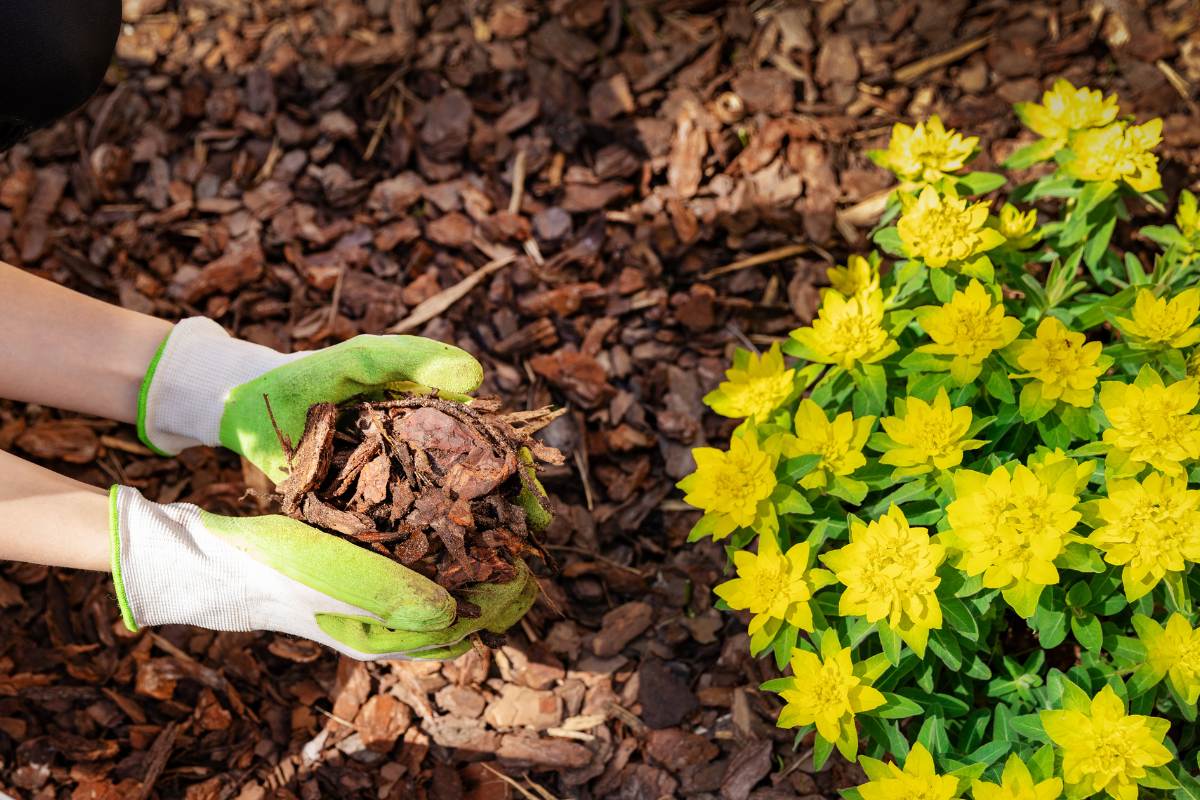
(524, 792)
(284, 441)
(915, 69)
(1178, 82)
(337, 719)
(777, 254)
(389, 109)
(681, 57)
(518, 182)
(434, 306)
(336, 298)
(157, 758)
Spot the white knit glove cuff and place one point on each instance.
(168, 568)
(184, 392)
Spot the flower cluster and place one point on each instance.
(959, 506)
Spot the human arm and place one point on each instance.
(66, 350)
(51, 519)
(178, 564)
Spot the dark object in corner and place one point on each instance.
(53, 55)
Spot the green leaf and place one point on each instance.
(1049, 620)
(960, 619)
(788, 500)
(1164, 235)
(1030, 154)
(796, 468)
(1098, 243)
(822, 748)
(980, 182)
(890, 641)
(1041, 766)
(1029, 726)
(703, 527)
(897, 707)
(1033, 406)
(1159, 778)
(944, 645)
(1087, 631)
(1080, 558)
(785, 642)
(990, 753)
(849, 489)
(944, 704)
(942, 283)
(872, 381)
(933, 735)
(997, 383)
(889, 242)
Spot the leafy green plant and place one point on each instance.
(959, 514)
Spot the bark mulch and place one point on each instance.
(599, 198)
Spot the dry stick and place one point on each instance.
(434, 306)
(761, 258)
(336, 297)
(915, 69)
(158, 756)
(284, 441)
(1178, 82)
(524, 792)
(518, 182)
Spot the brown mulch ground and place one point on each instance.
(564, 189)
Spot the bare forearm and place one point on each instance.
(66, 350)
(46, 518)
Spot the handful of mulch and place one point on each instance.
(447, 489)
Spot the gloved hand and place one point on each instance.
(178, 564)
(205, 387)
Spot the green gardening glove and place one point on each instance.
(204, 387)
(178, 564)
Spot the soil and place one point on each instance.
(600, 199)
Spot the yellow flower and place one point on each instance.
(1103, 748)
(926, 153)
(1017, 226)
(1017, 784)
(733, 487)
(1160, 322)
(774, 586)
(1011, 527)
(928, 436)
(1172, 652)
(970, 328)
(755, 389)
(1151, 423)
(943, 229)
(918, 780)
(1061, 364)
(859, 277)
(828, 690)
(1187, 219)
(890, 573)
(1151, 527)
(1117, 153)
(847, 332)
(839, 443)
(1065, 109)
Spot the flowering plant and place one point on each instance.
(957, 508)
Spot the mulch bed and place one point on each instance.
(599, 199)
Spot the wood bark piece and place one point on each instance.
(436, 483)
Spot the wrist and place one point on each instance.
(183, 393)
